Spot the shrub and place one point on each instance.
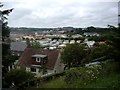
(71, 75)
(51, 76)
(84, 75)
(110, 66)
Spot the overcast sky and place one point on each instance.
(62, 13)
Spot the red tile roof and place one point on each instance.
(26, 59)
(102, 42)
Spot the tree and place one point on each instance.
(112, 49)
(91, 29)
(5, 36)
(35, 44)
(114, 41)
(78, 31)
(73, 55)
(5, 28)
(6, 54)
(17, 78)
(98, 53)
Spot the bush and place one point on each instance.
(52, 76)
(110, 66)
(71, 75)
(85, 75)
(19, 77)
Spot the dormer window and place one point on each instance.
(38, 59)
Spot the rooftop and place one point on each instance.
(26, 59)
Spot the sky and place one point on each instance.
(62, 13)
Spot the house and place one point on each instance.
(34, 60)
(28, 37)
(91, 34)
(76, 36)
(102, 43)
(17, 48)
(93, 63)
(90, 43)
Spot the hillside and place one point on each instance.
(105, 75)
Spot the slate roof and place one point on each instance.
(18, 46)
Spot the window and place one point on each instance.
(38, 59)
(33, 69)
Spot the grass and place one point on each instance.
(56, 83)
(111, 81)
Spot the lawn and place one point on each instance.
(56, 83)
(110, 81)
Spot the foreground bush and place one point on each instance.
(17, 78)
(83, 74)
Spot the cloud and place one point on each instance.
(59, 13)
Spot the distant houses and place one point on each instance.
(46, 60)
(91, 34)
(68, 28)
(90, 43)
(102, 43)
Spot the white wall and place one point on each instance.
(28, 69)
